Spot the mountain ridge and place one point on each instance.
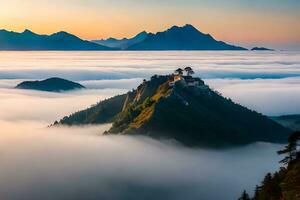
(29, 41)
(186, 37)
(187, 111)
(289, 121)
(122, 43)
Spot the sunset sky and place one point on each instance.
(271, 23)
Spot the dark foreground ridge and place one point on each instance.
(284, 184)
(51, 85)
(182, 108)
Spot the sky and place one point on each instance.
(271, 23)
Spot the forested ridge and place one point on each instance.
(285, 183)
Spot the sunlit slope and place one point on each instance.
(193, 115)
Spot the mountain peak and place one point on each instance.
(185, 27)
(28, 32)
(189, 25)
(183, 108)
(123, 43)
(3, 30)
(62, 33)
(28, 40)
(185, 37)
(141, 34)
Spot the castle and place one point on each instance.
(187, 79)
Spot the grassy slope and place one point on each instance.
(191, 115)
(103, 112)
(207, 119)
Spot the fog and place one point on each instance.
(249, 78)
(269, 96)
(79, 163)
(80, 66)
(46, 106)
(37, 162)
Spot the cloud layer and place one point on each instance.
(78, 163)
(68, 163)
(122, 65)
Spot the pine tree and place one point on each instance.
(256, 193)
(245, 196)
(290, 150)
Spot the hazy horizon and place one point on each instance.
(238, 75)
(268, 23)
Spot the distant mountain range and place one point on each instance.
(186, 110)
(290, 121)
(122, 43)
(175, 38)
(51, 85)
(28, 40)
(182, 38)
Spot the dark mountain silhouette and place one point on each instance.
(187, 111)
(122, 43)
(261, 49)
(175, 38)
(182, 38)
(51, 85)
(28, 40)
(290, 121)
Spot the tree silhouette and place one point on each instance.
(179, 71)
(189, 71)
(245, 196)
(285, 183)
(256, 193)
(290, 150)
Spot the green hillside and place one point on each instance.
(103, 112)
(191, 114)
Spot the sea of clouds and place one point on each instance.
(250, 78)
(80, 163)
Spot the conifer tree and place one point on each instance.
(290, 150)
(245, 196)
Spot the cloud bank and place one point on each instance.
(79, 163)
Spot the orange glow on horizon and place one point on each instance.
(118, 22)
